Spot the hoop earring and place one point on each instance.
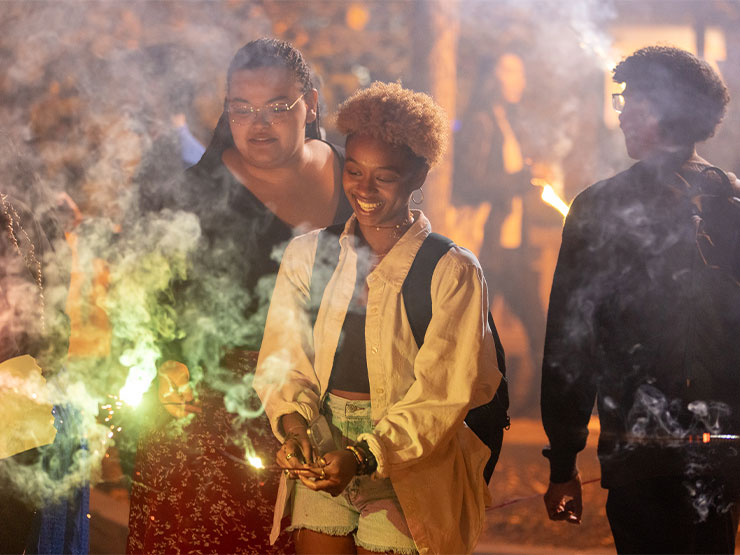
(417, 202)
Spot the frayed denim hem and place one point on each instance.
(386, 549)
(328, 530)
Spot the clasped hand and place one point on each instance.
(175, 392)
(330, 473)
(564, 501)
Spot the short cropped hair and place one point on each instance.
(689, 97)
(399, 117)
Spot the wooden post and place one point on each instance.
(435, 34)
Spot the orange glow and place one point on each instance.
(550, 196)
(706, 437)
(255, 461)
(357, 17)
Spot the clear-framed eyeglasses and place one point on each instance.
(618, 102)
(243, 113)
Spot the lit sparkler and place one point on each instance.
(141, 361)
(255, 461)
(550, 196)
(703, 438)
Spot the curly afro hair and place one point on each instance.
(397, 116)
(689, 97)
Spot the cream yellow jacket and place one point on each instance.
(419, 396)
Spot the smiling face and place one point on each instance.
(378, 179)
(262, 143)
(640, 124)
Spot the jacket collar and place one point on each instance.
(397, 263)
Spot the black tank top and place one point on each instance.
(349, 371)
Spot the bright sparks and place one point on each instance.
(255, 461)
(550, 196)
(141, 362)
(133, 391)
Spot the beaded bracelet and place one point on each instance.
(371, 463)
(359, 458)
(366, 462)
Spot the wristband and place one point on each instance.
(369, 462)
(358, 458)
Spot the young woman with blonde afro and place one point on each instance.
(402, 473)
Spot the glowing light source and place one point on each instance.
(550, 196)
(357, 16)
(141, 361)
(133, 391)
(255, 461)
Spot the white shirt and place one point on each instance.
(419, 396)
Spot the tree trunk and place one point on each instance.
(435, 32)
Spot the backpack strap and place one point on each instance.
(417, 287)
(324, 264)
(487, 421)
(417, 293)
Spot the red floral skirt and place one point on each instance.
(194, 493)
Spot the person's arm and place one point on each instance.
(174, 390)
(568, 374)
(454, 370)
(285, 379)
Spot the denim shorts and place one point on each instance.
(367, 507)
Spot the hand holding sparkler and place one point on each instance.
(175, 392)
(337, 470)
(564, 501)
(297, 450)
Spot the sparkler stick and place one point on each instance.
(705, 437)
(530, 497)
(278, 468)
(255, 463)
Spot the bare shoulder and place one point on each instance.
(321, 152)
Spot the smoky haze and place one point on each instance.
(89, 94)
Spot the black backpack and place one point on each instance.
(487, 421)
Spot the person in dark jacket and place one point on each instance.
(644, 319)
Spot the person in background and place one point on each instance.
(44, 506)
(492, 169)
(167, 75)
(265, 176)
(398, 448)
(644, 318)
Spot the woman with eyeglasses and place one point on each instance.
(265, 177)
(371, 422)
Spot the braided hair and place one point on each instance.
(261, 53)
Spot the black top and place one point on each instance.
(349, 371)
(644, 317)
(223, 301)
